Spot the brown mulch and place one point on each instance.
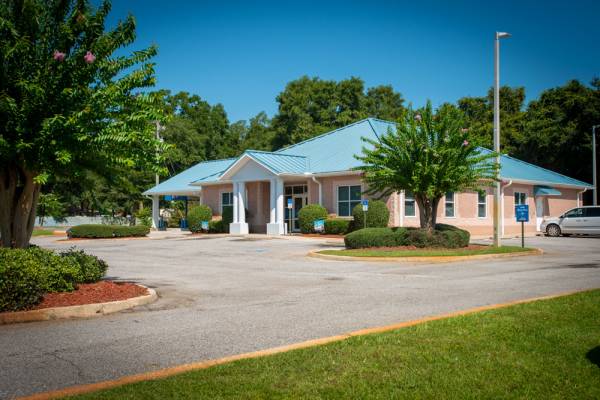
(319, 235)
(89, 293)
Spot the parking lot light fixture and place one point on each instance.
(595, 182)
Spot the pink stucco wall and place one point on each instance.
(465, 204)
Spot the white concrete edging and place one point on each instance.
(80, 311)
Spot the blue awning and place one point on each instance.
(545, 191)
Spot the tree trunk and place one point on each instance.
(18, 201)
(427, 211)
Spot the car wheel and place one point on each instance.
(553, 230)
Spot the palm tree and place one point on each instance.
(428, 154)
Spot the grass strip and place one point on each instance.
(547, 349)
(424, 252)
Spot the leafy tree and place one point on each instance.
(49, 205)
(67, 103)
(384, 103)
(311, 106)
(428, 154)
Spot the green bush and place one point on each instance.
(308, 215)
(26, 274)
(174, 221)
(92, 268)
(106, 231)
(144, 217)
(376, 237)
(337, 226)
(446, 236)
(21, 280)
(378, 215)
(196, 215)
(217, 226)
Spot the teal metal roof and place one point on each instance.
(180, 183)
(545, 191)
(334, 152)
(279, 163)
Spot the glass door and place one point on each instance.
(298, 194)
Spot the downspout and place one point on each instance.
(320, 190)
(580, 196)
(502, 205)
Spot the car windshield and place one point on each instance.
(577, 212)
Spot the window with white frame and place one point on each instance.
(520, 198)
(449, 204)
(409, 204)
(348, 198)
(226, 200)
(482, 204)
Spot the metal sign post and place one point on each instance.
(290, 206)
(365, 208)
(522, 216)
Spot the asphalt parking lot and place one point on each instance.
(227, 295)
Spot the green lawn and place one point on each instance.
(424, 252)
(544, 350)
(42, 232)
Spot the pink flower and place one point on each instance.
(89, 57)
(418, 117)
(465, 143)
(59, 56)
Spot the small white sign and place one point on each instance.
(365, 205)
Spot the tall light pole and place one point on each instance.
(159, 129)
(595, 199)
(497, 194)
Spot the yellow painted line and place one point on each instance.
(179, 369)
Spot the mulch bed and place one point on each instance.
(325, 236)
(89, 293)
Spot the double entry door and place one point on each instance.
(298, 194)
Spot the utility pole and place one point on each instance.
(497, 193)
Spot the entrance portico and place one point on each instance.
(260, 168)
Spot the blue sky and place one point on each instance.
(242, 54)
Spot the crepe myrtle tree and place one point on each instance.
(429, 154)
(67, 102)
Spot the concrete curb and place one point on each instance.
(433, 259)
(179, 369)
(81, 311)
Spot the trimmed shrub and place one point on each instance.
(21, 281)
(217, 226)
(378, 215)
(106, 231)
(92, 268)
(337, 226)
(375, 237)
(308, 215)
(196, 215)
(447, 236)
(26, 274)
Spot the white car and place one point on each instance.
(580, 221)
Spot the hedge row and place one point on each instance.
(446, 236)
(337, 226)
(27, 274)
(107, 231)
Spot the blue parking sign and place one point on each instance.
(522, 212)
(365, 205)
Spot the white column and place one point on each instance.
(239, 225)
(155, 211)
(242, 202)
(235, 203)
(276, 226)
(401, 201)
(272, 201)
